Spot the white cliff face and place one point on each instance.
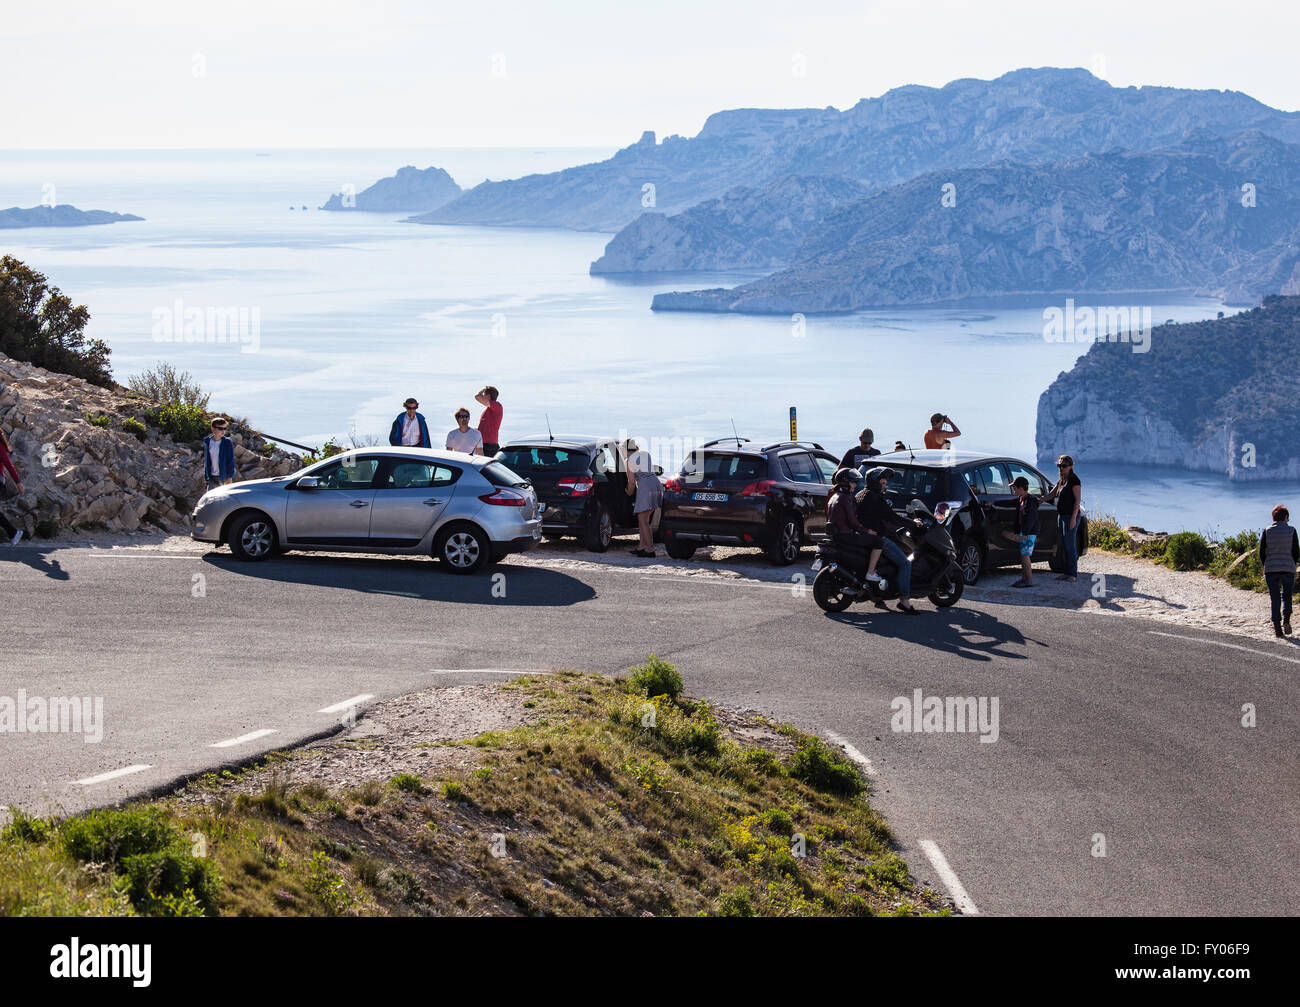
(79, 475)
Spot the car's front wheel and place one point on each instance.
(252, 537)
(970, 557)
(463, 548)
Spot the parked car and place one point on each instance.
(971, 492)
(733, 492)
(465, 511)
(581, 480)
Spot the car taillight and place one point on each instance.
(757, 489)
(577, 485)
(505, 498)
(674, 484)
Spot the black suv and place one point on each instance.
(981, 506)
(734, 493)
(582, 481)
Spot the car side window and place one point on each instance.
(798, 467)
(348, 474)
(605, 462)
(994, 477)
(418, 475)
(828, 467)
(1037, 484)
(972, 477)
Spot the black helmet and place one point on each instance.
(879, 472)
(845, 476)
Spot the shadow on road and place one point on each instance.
(1105, 590)
(962, 632)
(501, 585)
(37, 560)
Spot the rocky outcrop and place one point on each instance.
(1216, 396)
(747, 229)
(77, 474)
(411, 190)
(63, 215)
(1181, 219)
(1032, 116)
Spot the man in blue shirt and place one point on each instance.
(409, 429)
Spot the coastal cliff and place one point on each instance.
(1221, 396)
(411, 190)
(63, 215)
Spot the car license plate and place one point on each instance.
(710, 497)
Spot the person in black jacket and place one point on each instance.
(879, 519)
(1026, 529)
(860, 452)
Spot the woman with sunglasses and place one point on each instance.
(1067, 494)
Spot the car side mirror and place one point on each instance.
(308, 483)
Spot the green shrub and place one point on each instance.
(821, 766)
(26, 828)
(171, 882)
(779, 822)
(328, 886)
(101, 420)
(163, 384)
(657, 678)
(408, 782)
(135, 428)
(107, 837)
(1187, 550)
(1104, 532)
(761, 761)
(184, 423)
(453, 791)
(736, 902)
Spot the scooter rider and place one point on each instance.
(879, 518)
(842, 517)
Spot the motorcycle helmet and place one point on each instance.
(845, 477)
(879, 472)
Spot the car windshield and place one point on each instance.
(544, 459)
(926, 484)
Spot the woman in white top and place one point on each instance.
(464, 438)
(644, 484)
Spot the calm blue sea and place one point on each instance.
(356, 311)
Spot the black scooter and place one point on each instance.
(935, 573)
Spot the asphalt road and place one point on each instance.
(1115, 734)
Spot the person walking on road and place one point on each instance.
(643, 483)
(7, 467)
(938, 436)
(1067, 494)
(1279, 552)
(410, 429)
(464, 438)
(489, 424)
(218, 456)
(1026, 529)
(860, 452)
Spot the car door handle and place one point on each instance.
(358, 503)
(432, 502)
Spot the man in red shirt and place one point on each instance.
(489, 424)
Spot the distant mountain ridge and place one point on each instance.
(1221, 395)
(1029, 116)
(412, 189)
(63, 215)
(1219, 215)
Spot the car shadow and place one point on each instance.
(963, 632)
(1103, 589)
(35, 557)
(415, 577)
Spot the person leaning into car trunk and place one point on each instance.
(1279, 551)
(643, 483)
(1067, 494)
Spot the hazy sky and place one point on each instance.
(396, 73)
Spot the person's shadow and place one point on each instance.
(35, 557)
(963, 632)
(416, 577)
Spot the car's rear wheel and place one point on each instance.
(463, 548)
(677, 549)
(252, 537)
(970, 557)
(599, 531)
(784, 549)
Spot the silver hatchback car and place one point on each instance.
(465, 511)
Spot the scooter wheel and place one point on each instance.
(947, 590)
(828, 591)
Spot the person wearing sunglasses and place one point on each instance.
(218, 456)
(464, 438)
(1067, 494)
(409, 429)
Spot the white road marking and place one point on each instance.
(949, 878)
(243, 738)
(852, 753)
(347, 703)
(143, 555)
(1220, 643)
(90, 781)
(487, 671)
